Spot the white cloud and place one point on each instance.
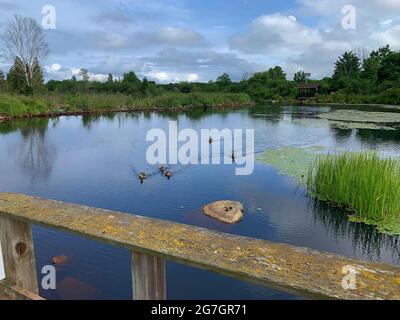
(390, 35)
(192, 77)
(275, 33)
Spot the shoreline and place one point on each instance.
(227, 106)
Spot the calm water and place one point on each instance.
(94, 161)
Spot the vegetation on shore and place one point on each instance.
(14, 106)
(363, 183)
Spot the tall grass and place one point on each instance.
(363, 183)
(17, 106)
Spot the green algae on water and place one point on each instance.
(291, 161)
(323, 123)
(361, 116)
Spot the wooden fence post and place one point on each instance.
(18, 254)
(148, 277)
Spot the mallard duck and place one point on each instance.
(168, 174)
(142, 176)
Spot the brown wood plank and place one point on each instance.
(18, 253)
(148, 277)
(275, 265)
(9, 291)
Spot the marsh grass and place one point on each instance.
(363, 183)
(19, 106)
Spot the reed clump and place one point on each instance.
(363, 183)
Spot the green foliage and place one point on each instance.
(300, 76)
(21, 106)
(21, 79)
(17, 106)
(363, 183)
(348, 66)
(223, 81)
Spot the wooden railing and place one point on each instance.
(152, 242)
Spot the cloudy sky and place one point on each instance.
(192, 40)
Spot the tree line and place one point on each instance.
(357, 77)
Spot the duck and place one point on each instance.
(168, 174)
(142, 176)
(163, 169)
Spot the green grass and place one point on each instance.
(13, 106)
(19, 106)
(363, 183)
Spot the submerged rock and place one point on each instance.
(225, 211)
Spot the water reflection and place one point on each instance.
(341, 135)
(365, 239)
(34, 154)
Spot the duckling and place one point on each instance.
(168, 174)
(142, 176)
(163, 169)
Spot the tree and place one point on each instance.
(15, 80)
(2, 81)
(84, 73)
(348, 66)
(110, 78)
(130, 77)
(26, 48)
(223, 80)
(73, 78)
(390, 67)
(373, 64)
(300, 76)
(276, 73)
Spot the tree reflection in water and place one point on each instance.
(34, 154)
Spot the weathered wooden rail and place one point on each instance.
(152, 242)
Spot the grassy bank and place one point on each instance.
(14, 106)
(363, 183)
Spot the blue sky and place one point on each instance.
(187, 40)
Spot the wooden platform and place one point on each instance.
(152, 241)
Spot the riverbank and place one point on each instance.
(14, 106)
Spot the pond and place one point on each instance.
(94, 160)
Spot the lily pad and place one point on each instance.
(291, 161)
(361, 116)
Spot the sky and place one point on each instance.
(192, 40)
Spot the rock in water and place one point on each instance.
(59, 260)
(225, 211)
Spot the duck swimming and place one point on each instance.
(142, 176)
(168, 174)
(163, 169)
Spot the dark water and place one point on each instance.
(94, 161)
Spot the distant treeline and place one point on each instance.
(357, 78)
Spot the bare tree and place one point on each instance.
(25, 47)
